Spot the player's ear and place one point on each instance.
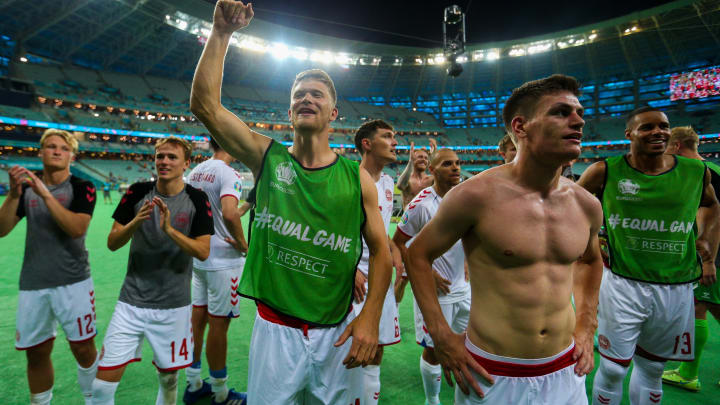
(518, 126)
(334, 114)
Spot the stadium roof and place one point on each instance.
(136, 36)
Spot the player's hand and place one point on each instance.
(412, 154)
(35, 183)
(583, 353)
(442, 285)
(398, 264)
(240, 246)
(144, 211)
(433, 146)
(709, 275)
(231, 16)
(16, 177)
(164, 213)
(457, 362)
(604, 249)
(364, 332)
(359, 291)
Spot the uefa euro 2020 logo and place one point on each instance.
(285, 173)
(627, 186)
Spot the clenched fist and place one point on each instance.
(231, 16)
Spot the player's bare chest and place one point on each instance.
(522, 231)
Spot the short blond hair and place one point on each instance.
(65, 135)
(174, 140)
(685, 136)
(505, 142)
(319, 75)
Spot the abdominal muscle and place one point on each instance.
(522, 312)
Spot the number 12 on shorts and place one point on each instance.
(183, 351)
(88, 325)
(686, 344)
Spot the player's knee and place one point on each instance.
(651, 369)
(218, 325)
(85, 352)
(168, 380)
(429, 356)
(613, 373)
(39, 354)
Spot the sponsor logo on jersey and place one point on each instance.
(285, 173)
(405, 218)
(237, 186)
(628, 188)
(181, 219)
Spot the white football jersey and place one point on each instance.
(451, 265)
(385, 188)
(217, 180)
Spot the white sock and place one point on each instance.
(371, 378)
(42, 398)
(431, 378)
(608, 383)
(103, 392)
(85, 379)
(219, 388)
(167, 392)
(194, 380)
(646, 381)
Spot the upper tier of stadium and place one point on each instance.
(128, 66)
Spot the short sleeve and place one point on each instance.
(83, 201)
(231, 185)
(20, 212)
(202, 222)
(413, 220)
(125, 211)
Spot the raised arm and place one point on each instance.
(8, 210)
(593, 178)
(403, 180)
(228, 130)
(449, 224)
(708, 221)
(364, 328)
(587, 274)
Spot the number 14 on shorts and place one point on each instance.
(182, 350)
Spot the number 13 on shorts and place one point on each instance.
(684, 343)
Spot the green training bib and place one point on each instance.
(650, 220)
(305, 238)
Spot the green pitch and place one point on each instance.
(400, 374)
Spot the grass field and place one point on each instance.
(400, 374)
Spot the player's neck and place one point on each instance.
(441, 188)
(312, 151)
(373, 166)
(224, 156)
(53, 177)
(170, 187)
(419, 173)
(691, 155)
(536, 174)
(651, 164)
